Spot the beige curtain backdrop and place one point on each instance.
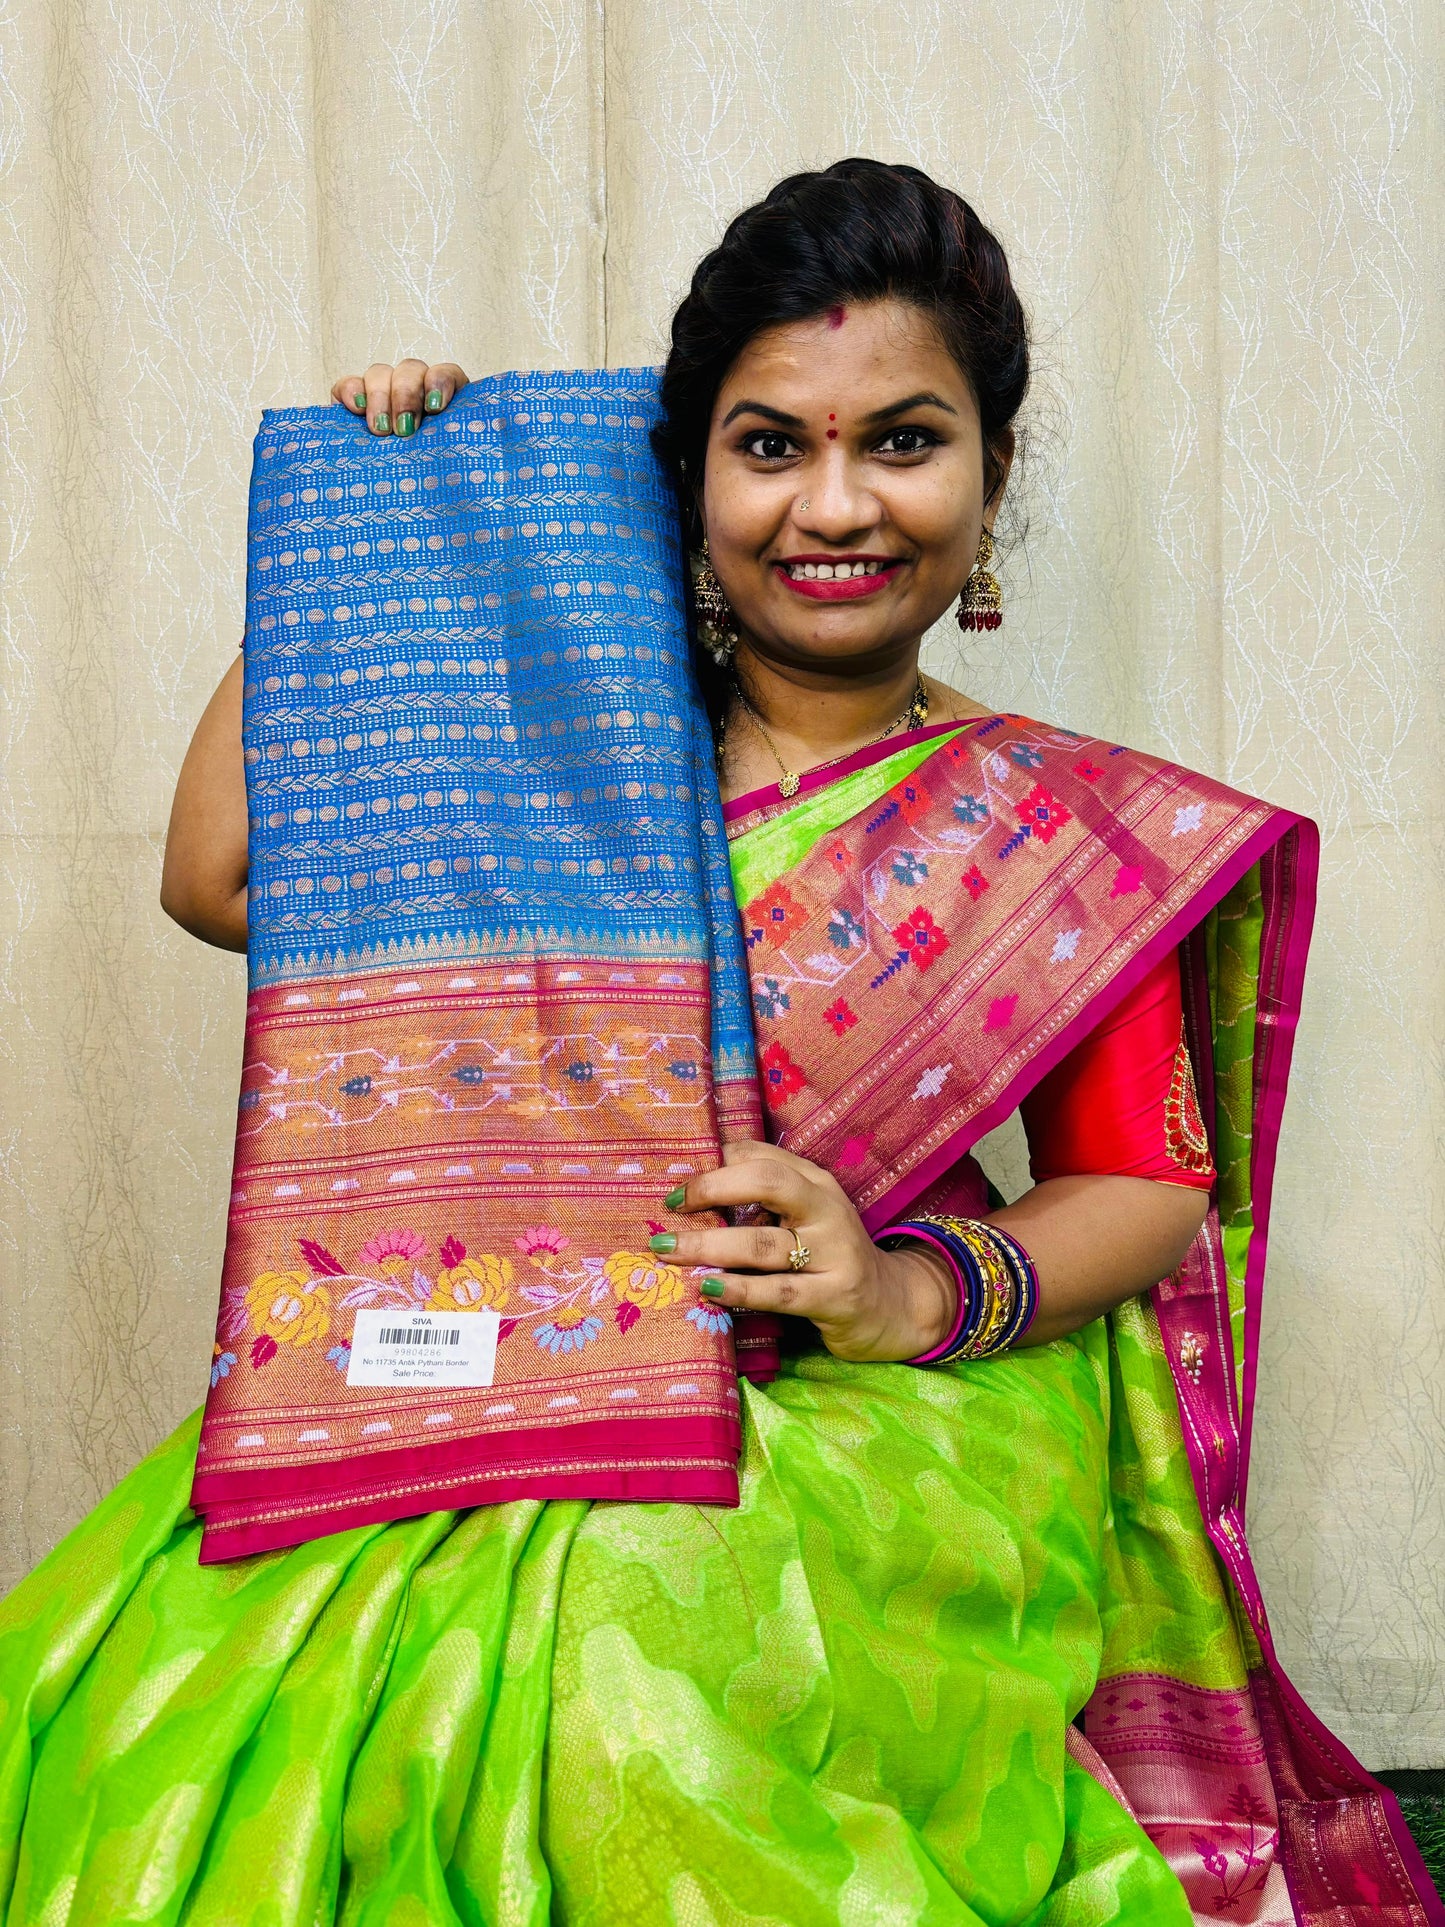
(1222, 217)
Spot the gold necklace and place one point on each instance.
(915, 716)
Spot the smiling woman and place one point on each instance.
(979, 1489)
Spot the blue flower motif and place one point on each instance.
(249, 1100)
(556, 1338)
(770, 999)
(1023, 757)
(340, 1356)
(845, 932)
(909, 867)
(221, 1367)
(580, 1071)
(684, 1070)
(711, 1319)
(357, 1086)
(971, 809)
(470, 1074)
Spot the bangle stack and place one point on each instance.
(998, 1287)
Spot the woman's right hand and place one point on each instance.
(394, 399)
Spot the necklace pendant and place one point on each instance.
(788, 783)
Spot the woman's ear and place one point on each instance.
(998, 459)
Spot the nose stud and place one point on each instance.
(803, 507)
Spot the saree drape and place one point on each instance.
(497, 1003)
(857, 1693)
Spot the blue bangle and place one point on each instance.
(966, 1275)
(998, 1284)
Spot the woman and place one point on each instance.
(854, 1695)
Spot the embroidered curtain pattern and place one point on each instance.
(1221, 218)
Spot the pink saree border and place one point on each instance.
(1284, 942)
(691, 1460)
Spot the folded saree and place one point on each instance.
(497, 1004)
(975, 1645)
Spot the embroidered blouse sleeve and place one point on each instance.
(1123, 1102)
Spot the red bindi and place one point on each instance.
(832, 434)
(837, 316)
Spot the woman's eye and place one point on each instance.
(908, 441)
(769, 444)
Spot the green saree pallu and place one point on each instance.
(783, 1639)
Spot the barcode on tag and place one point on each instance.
(424, 1348)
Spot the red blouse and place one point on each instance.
(1123, 1102)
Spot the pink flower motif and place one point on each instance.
(854, 1150)
(975, 882)
(393, 1244)
(1000, 1012)
(840, 1016)
(1128, 880)
(541, 1238)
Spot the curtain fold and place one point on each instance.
(1220, 218)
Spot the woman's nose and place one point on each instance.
(838, 501)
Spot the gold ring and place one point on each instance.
(799, 1255)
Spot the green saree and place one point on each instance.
(846, 1700)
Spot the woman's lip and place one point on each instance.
(840, 589)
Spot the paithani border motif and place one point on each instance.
(935, 956)
(463, 1137)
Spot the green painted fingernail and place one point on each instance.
(433, 400)
(406, 424)
(662, 1242)
(712, 1287)
(359, 400)
(675, 1199)
(382, 424)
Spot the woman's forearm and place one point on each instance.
(1097, 1241)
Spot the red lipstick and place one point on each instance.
(832, 589)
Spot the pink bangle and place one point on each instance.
(902, 1231)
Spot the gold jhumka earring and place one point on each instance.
(981, 604)
(717, 628)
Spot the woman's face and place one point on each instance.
(850, 442)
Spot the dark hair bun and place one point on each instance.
(858, 231)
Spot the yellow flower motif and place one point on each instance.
(638, 1279)
(474, 1283)
(290, 1306)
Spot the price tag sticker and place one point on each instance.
(423, 1348)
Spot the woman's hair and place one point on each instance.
(858, 231)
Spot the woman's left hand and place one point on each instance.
(867, 1303)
